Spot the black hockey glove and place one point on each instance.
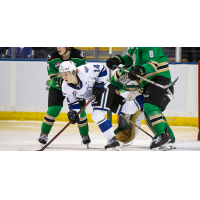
(116, 60)
(98, 89)
(73, 116)
(137, 70)
(59, 81)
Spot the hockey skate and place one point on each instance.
(43, 139)
(86, 140)
(160, 143)
(113, 144)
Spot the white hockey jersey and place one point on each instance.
(87, 76)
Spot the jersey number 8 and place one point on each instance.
(151, 54)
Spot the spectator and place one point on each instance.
(186, 54)
(42, 52)
(170, 53)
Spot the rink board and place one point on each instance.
(24, 93)
(39, 116)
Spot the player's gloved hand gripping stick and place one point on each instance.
(149, 81)
(66, 125)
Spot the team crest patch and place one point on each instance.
(132, 47)
(74, 93)
(57, 64)
(49, 57)
(82, 55)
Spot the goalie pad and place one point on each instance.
(126, 131)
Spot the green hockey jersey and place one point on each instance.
(122, 83)
(152, 59)
(54, 60)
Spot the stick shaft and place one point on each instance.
(65, 126)
(109, 114)
(136, 125)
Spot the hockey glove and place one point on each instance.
(59, 81)
(116, 60)
(137, 70)
(73, 117)
(98, 89)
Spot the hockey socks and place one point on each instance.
(83, 124)
(169, 130)
(155, 117)
(106, 129)
(49, 119)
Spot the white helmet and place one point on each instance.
(68, 66)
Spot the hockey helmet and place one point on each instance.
(67, 66)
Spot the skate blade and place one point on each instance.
(115, 148)
(87, 145)
(165, 147)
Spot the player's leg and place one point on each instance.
(171, 135)
(55, 103)
(100, 107)
(48, 122)
(106, 128)
(155, 102)
(154, 115)
(83, 125)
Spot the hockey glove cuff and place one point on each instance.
(116, 60)
(98, 89)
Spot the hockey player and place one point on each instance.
(89, 80)
(55, 99)
(151, 63)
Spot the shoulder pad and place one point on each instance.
(76, 53)
(52, 55)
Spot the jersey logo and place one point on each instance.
(49, 57)
(74, 93)
(86, 69)
(57, 64)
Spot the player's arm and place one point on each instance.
(117, 60)
(53, 73)
(78, 57)
(150, 58)
(99, 73)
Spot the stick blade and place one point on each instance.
(168, 86)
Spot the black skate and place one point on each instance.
(43, 139)
(86, 140)
(113, 144)
(160, 143)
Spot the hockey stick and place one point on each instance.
(44, 147)
(109, 114)
(149, 81)
(136, 125)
